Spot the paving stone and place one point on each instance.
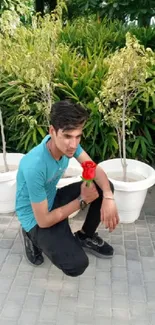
(149, 276)
(140, 224)
(121, 314)
(103, 264)
(33, 302)
(135, 278)
(63, 318)
(142, 232)
(134, 266)
(150, 289)
(146, 251)
(7, 322)
(148, 263)
(118, 240)
(5, 284)
(131, 244)
(51, 298)
(8, 271)
(27, 318)
(118, 260)
(13, 259)
(119, 250)
(85, 299)
(2, 299)
(119, 287)
(129, 227)
(138, 310)
(103, 307)
(11, 310)
(6, 243)
(23, 279)
(102, 277)
(132, 254)
(120, 301)
(85, 284)
(103, 291)
(137, 293)
(17, 294)
(119, 273)
(84, 315)
(10, 234)
(144, 241)
(128, 235)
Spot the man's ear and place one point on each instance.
(51, 130)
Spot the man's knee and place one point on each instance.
(78, 267)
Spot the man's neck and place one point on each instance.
(54, 151)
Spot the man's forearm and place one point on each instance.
(61, 213)
(102, 181)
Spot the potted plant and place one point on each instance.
(127, 74)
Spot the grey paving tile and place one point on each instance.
(2, 299)
(85, 299)
(17, 294)
(119, 287)
(146, 251)
(102, 278)
(142, 232)
(119, 249)
(132, 254)
(5, 284)
(28, 317)
(138, 310)
(131, 244)
(129, 227)
(117, 239)
(119, 273)
(137, 293)
(48, 314)
(33, 302)
(103, 264)
(23, 279)
(121, 314)
(11, 310)
(148, 263)
(134, 266)
(51, 298)
(103, 307)
(10, 234)
(7, 322)
(6, 243)
(119, 260)
(103, 291)
(120, 301)
(85, 284)
(71, 288)
(63, 318)
(84, 315)
(144, 241)
(135, 278)
(128, 235)
(68, 304)
(13, 259)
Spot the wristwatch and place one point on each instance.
(83, 204)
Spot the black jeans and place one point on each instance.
(58, 242)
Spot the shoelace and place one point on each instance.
(97, 240)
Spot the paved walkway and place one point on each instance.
(120, 291)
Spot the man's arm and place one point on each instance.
(46, 219)
(109, 214)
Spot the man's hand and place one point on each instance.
(109, 214)
(89, 193)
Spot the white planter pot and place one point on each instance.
(129, 196)
(8, 182)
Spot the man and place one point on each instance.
(43, 211)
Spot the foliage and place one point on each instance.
(141, 10)
(126, 77)
(29, 57)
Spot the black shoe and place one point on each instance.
(95, 245)
(32, 253)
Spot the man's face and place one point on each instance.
(66, 142)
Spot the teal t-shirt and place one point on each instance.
(37, 177)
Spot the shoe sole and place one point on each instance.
(89, 250)
(24, 250)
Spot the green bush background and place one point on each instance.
(77, 72)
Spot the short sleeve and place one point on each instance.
(35, 184)
(78, 151)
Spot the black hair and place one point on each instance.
(67, 115)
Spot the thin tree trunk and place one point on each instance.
(144, 20)
(3, 143)
(39, 6)
(124, 142)
(52, 4)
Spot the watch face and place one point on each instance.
(83, 205)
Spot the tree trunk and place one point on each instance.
(39, 6)
(52, 4)
(3, 143)
(144, 20)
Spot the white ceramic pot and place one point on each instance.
(8, 182)
(129, 196)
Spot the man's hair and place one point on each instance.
(67, 115)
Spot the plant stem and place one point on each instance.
(119, 143)
(3, 143)
(124, 140)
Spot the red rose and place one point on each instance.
(89, 168)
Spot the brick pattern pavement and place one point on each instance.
(120, 291)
